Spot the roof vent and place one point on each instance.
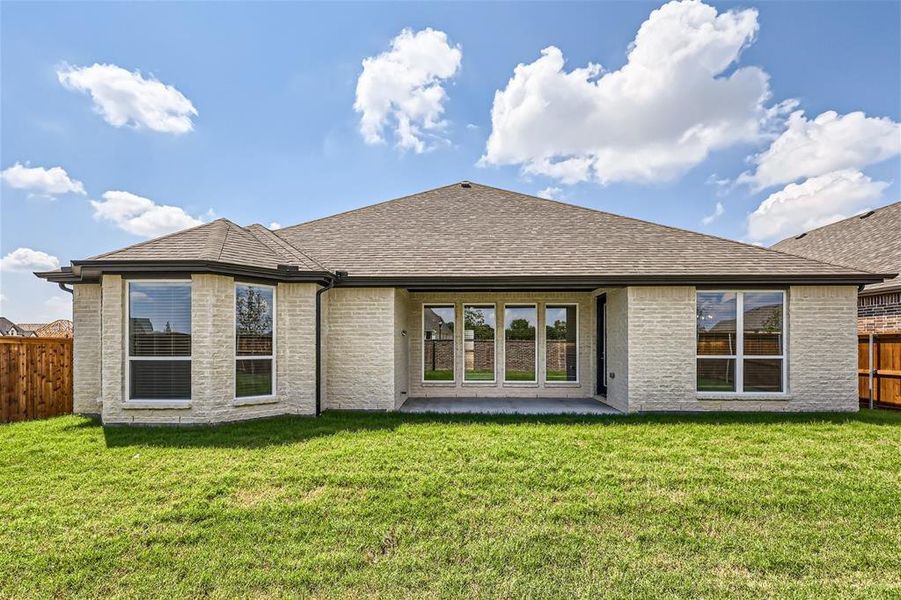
(465, 184)
(798, 237)
(867, 214)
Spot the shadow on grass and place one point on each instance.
(292, 429)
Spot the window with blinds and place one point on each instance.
(254, 340)
(159, 340)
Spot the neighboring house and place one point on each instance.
(8, 328)
(624, 305)
(871, 242)
(61, 328)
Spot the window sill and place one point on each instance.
(779, 396)
(524, 384)
(571, 384)
(439, 383)
(254, 401)
(479, 383)
(156, 404)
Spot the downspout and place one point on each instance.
(331, 283)
(63, 287)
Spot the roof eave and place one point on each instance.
(89, 271)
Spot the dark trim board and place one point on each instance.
(86, 271)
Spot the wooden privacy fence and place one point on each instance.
(885, 368)
(35, 378)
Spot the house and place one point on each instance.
(8, 328)
(360, 310)
(61, 328)
(870, 241)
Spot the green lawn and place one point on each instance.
(438, 375)
(396, 505)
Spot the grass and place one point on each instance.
(479, 375)
(438, 375)
(393, 505)
(253, 384)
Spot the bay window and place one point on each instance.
(158, 356)
(741, 341)
(254, 340)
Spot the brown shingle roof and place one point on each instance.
(218, 241)
(476, 232)
(871, 241)
(488, 232)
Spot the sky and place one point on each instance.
(123, 121)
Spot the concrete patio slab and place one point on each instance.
(509, 406)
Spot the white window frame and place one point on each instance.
(452, 381)
(493, 380)
(127, 336)
(578, 345)
(739, 357)
(255, 356)
(537, 338)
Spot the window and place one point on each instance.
(561, 343)
(438, 342)
(159, 340)
(520, 342)
(741, 341)
(479, 326)
(254, 340)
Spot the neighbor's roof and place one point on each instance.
(5, 325)
(871, 241)
(476, 233)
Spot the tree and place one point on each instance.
(253, 313)
(520, 329)
(474, 319)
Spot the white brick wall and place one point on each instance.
(583, 389)
(617, 349)
(401, 347)
(86, 348)
(822, 352)
(661, 355)
(361, 347)
(213, 356)
(822, 342)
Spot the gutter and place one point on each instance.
(332, 282)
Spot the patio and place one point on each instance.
(508, 406)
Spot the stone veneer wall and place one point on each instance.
(360, 359)
(584, 388)
(86, 349)
(213, 357)
(822, 352)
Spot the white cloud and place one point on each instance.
(126, 98)
(550, 193)
(659, 115)
(26, 259)
(718, 211)
(816, 202)
(43, 181)
(403, 88)
(141, 216)
(830, 142)
(57, 307)
(275, 225)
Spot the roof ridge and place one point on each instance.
(260, 232)
(156, 239)
(669, 227)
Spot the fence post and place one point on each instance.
(870, 368)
